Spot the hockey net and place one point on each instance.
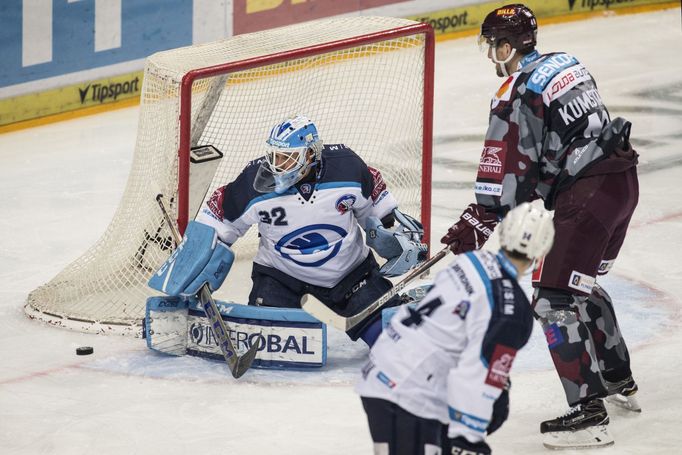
(366, 82)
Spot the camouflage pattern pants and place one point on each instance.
(576, 314)
(584, 340)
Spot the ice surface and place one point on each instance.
(60, 185)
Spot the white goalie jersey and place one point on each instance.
(313, 231)
(449, 358)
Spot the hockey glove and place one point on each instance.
(199, 259)
(500, 411)
(401, 246)
(461, 446)
(472, 230)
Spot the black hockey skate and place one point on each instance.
(582, 426)
(622, 394)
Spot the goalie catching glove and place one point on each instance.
(199, 259)
(401, 246)
(472, 230)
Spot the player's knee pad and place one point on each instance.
(601, 298)
(199, 259)
(554, 306)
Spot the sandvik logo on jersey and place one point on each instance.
(311, 241)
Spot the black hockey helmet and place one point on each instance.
(515, 23)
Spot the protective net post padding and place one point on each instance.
(369, 97)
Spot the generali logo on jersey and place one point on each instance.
(491, 164)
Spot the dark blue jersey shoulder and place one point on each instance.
(511, 320)
(238, 194)
(341, 164)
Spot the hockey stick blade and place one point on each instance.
(238, 365)
(324, 314)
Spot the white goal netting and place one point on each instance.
(369, 96)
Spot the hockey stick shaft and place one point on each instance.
(238, 365)
(348, 323)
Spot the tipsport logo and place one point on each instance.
(100, 93)
(592, 4)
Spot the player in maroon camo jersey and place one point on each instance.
(551, 137)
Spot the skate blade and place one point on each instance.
(629, 403)
(596, 436)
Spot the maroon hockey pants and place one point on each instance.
(591, 219)
(577, 316)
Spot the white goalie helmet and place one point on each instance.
(293, 147)
(528, 230)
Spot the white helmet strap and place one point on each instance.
(502, 63)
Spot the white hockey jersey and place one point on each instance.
(312, 232)
(449, 359)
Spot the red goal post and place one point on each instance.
(365, 81)
(271, 59)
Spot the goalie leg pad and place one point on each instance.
(200, 258)
(290, 339)
(166, 325)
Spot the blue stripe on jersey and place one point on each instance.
(547, 69)
(484, 277)
(468, 420)
(328, 185)
(267, 196)
(488, 288)
(506, 264)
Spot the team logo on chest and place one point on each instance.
(345, 203)
(313, 245)
(306, 188)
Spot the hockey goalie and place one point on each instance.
(311, 203)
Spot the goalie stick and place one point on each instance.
(324, 314)
(238, 365)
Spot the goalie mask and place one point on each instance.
(293, 149)
(515, 24)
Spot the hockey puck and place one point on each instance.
(84, 350)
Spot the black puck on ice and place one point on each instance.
(84, 350)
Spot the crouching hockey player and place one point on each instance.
(310, 202)
(438, 376)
